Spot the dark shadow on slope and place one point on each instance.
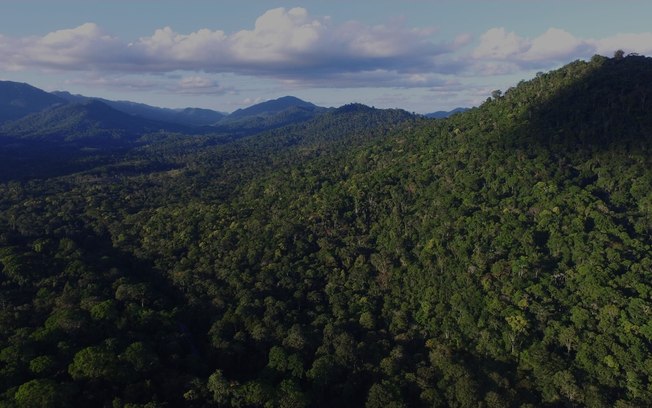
(601, 104)
(23, 160)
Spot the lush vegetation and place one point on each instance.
(500, 257)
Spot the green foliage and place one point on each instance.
(42, 393)
(384, 395)
(95, 363)
(42, 365)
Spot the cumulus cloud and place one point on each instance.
(556, 44)
(502, 52)
(284, 43)
(497, 43)
(629, 42)
(85, 46)
(279, 36)
(299, 49)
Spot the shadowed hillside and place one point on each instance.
(19, 99)
(91, 123)
(597, 104)
(185, 117)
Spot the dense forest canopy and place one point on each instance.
(362, 257)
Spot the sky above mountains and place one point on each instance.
(420, 55)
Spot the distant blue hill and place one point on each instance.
(271, 107)
(18, 99)
(89, 123)
(445, 114)
(186, 117)
(270, 115)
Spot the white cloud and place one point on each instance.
(497, 43)
(86, 45)
(278, 36)
(501, 52)
(170, 45)
(283, 44)
(556, 44)
(630, 42)
(292, 46)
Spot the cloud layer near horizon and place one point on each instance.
(506, 51)
(292, 46)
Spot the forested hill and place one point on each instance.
(270, 114)
(19, 99)
(185, 116)
(272, 107)
(91, 123)
(586, 105)
(501, 257)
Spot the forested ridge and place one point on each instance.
(497, 258)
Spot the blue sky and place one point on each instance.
(420, 55)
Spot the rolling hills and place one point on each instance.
(92, 122)
(185, 116)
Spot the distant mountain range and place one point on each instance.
(92, 121)
(272, 113)
(19, 99)
(30, 113)
(186, 116)
(445, 114)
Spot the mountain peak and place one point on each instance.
(185, 117)
(18, 99)
(291, 100)
(271, 107)
(353, 107)
(91, 122)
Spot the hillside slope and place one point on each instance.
(92, 122)
(19, 99)
(186, 116)
(271, 107)
(268, 115)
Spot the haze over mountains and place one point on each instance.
(301, 256)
